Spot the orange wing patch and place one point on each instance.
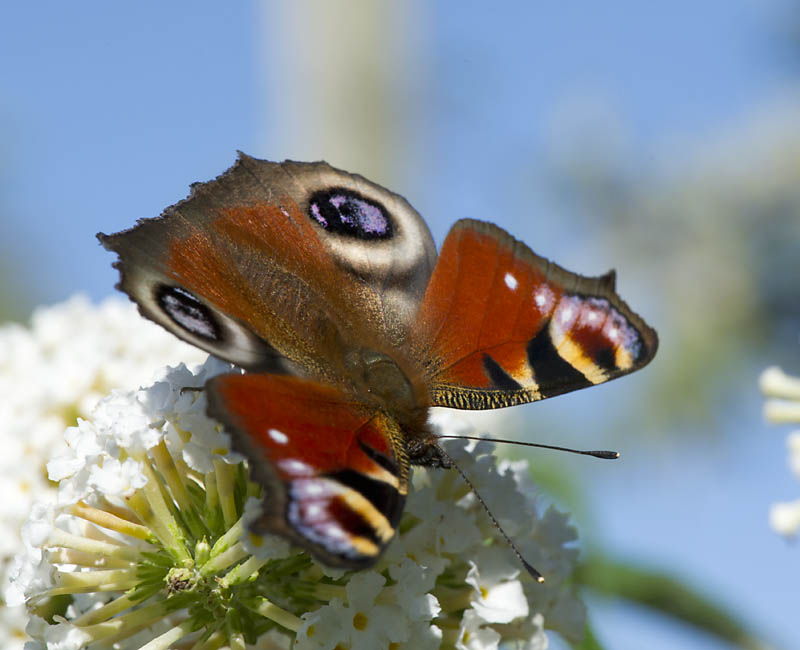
(503, 326)
(336, 472)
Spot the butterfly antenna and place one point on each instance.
(528, 566)
(608, 455)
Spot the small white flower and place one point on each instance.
(474, 635)
(498, 596)
(783, 406)
(52, 373)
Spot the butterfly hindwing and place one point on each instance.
(335, 472)
(500, 325)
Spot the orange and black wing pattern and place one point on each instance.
(500, 325)
(335, 472)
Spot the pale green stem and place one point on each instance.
(105, 612)
(253, 490)
(112, 522)
(324, 591)
(449, 638)
(177, 488)
(224, 560)
(158, 517)
(87, 581)
(271, 611)
(226, 481)
(231, 537)
(89, 560)
(128, 624)
(213, 642)
(453, 600)
(67, 540)
(167, 639)
(212, 494)
(237, 641)
(242, 572)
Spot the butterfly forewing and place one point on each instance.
(335, 472)
(280, 260)
(500, 325)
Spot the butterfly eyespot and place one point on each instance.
(346, 213)
(188, 312)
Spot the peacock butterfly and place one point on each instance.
(327, 289)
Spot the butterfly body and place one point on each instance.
(327, 289)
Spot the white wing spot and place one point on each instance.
(511, 281)
(278, 436)
(613, 333)
(313, 511)
(566, 315)
(294, 466)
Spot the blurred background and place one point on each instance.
(662, 140)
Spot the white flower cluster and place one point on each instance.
(147, 547)
(51, 373)
(782, 407)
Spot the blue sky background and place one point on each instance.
(108, 111)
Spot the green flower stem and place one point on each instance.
(453, 600)
(271, 611)
(231, 537)
(64, 539)
(177, 489)
(167, 639)
(112, 522)
(226, 481)
(151, 508)
(212, 494)
(111, 608)
(213, 642)
(128, 624)
(87, 581)
(449, 636)
(224, 560)
(242, 572)
(323, 591)
(88, 560)
(236, 641)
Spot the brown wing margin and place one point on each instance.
(502, 326)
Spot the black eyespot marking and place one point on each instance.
(347, 213)
(498, 376)
(188, 312)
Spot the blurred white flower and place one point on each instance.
(51, 373)
(782, 407)
(148, 545)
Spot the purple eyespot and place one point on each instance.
(346, 213)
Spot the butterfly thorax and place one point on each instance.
(386, 382)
